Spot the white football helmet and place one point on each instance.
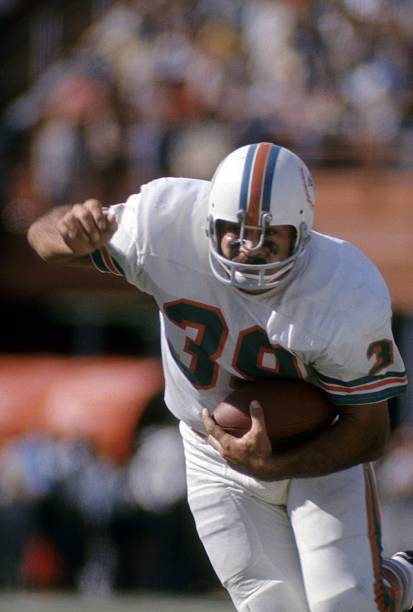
(257, 186)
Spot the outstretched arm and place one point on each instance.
(68, 234)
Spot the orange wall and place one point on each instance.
(374, 211)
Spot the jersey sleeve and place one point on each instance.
(120, 256)
(153, 226)
(364, 367)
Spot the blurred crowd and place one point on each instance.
(156, 87)
(72, 518)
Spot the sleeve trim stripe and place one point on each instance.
(360, 382)
(110, 263)
(118, 267)
(344, 388)
(366, 398)
(98, 262)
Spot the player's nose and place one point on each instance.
(251, 240)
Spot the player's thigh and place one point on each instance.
(336, 524)
(248, 540)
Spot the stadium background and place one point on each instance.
(96, 98)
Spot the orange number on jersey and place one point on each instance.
(382, 351)
(205, 335)
(256, 357)
(207, 343)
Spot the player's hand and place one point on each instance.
(86, 227)
(249, 454)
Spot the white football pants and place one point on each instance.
(302, 545)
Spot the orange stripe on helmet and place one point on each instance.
(257, 183)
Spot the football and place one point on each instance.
(293, 409)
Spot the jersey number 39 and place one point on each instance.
(206, 333)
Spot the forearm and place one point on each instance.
(44, 237)
(339, 447)
(68, 234)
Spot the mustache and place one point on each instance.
(245, 257)
(250, 260)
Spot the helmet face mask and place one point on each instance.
(259, 186)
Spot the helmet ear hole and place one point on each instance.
(210, 229)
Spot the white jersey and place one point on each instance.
(331, 325)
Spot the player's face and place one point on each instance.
(277, 245)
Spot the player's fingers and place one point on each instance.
(258, 434)
(210, 425)
(71, 229)
(257, 417)
(213, 429)
(99, 214)
(85, 217)
(216, 444)
(258, 429)
(104, 219)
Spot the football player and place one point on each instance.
(247, 289)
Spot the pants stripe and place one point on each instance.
(383, 594)
(396, 579)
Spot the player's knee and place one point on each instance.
(355, 598)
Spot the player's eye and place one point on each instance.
(231, 228)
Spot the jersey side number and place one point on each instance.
(382, 351)
(206, 334)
